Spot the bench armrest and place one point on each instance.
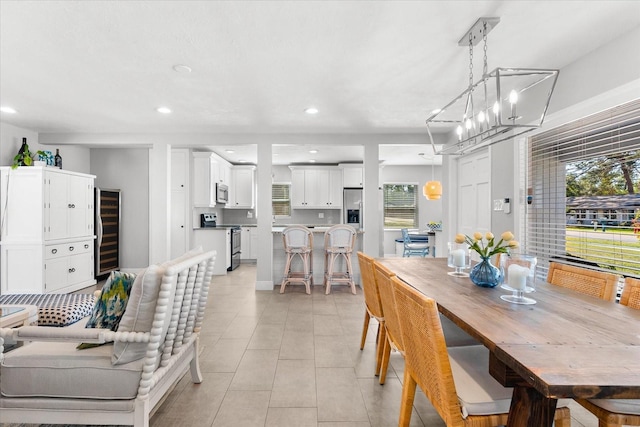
(87, 335)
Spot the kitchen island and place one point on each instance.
(279, 256)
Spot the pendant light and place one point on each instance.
(432, 190)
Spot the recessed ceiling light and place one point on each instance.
(313, 151)
(182, 69)
(312, 161)
(163, 110)
(311, 110)
(229, 151)
(8, 110)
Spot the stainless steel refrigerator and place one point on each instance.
(352, 207)
(107, 225)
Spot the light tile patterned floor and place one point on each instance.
(291, 360)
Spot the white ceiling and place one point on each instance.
(370, 67)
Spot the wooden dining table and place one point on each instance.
(566, 345)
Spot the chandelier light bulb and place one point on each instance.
(481, 117)
(459, 132)
(513, 97)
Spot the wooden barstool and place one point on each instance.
(339, 241)
(298, 242)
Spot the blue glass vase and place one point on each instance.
(485, 274)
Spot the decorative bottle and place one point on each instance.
(58, 159)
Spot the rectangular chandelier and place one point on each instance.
(503, 104)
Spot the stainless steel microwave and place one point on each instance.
(222, 193)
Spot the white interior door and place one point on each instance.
(474, 193)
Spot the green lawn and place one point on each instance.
(607, 251)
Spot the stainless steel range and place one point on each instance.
(236, 247)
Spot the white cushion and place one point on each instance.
(140, 310)
(478, 392)
(621, 406)
(58, 369)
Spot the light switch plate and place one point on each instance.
(498, 205)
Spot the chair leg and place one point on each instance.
(286, 273)
(382, 339)
(329, 273)
(305, 261)
(365, 328)
(386, 355)
(350, 273)
(408, 395)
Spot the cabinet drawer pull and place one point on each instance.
(71, 206)
(71, 248)
(72, 270)
(54, 251)
(86, 246)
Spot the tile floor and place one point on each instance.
(291, 360)
(280, 360)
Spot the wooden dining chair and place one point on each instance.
(372, 304)
(618, 412)
(455, 380)
(631, 293)
(393, 340)
(586, 281)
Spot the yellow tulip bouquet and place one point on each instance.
(486, 246)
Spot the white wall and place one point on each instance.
(127, 169)
(74, 158)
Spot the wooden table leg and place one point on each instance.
(530, 408)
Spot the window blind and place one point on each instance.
(400, 205)
(595, 231)
(280, 199)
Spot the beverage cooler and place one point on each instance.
(107, 225)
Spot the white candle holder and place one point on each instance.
(459, 258)
(519, 277)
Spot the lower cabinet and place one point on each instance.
(55, 268)
(67, 265)
(249, 243)
(218, 239)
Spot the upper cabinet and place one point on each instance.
(352, 175)
(242, 188)
(204, 183)
(222, 172)
(316, 187)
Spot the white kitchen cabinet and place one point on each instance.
(316, 188)
(204, 182)
(48, 230)
(249, 242)
(242, 188)
(215, 239)
(352, 176)
(223, 172)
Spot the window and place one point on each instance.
(583, 185)
(280, 199)
(400, 205)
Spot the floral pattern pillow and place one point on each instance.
(111, 303)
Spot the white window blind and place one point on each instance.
(400, 205)
(569, 231)
(280, 199)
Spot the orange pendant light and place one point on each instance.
(432, 190)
